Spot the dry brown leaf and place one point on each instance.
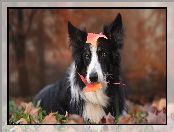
(50, 119)
(34, 111)
(149, 108)
(27, 107)
(30, 109)
(35, 120)
(74, 119)
(134, 108)
(128, 119)
(156, 118)
(107, 119)
(23, 121)
(160, 104)
(71, 122)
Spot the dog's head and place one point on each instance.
(98, 62)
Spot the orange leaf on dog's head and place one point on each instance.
(92, 38)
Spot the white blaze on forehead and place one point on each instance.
(94, 65)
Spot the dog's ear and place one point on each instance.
(114, 31)
(76, 35)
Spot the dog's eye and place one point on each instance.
(103, 54)
(86, 56)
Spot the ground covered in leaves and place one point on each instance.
(21, 112)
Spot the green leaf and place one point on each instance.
(60, 117)
(116, 119)
(12, 106)
(41, 115)
(26, 116)
(17, 115)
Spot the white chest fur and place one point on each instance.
(93, 112)
(94, 103)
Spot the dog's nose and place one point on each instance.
(93, 77)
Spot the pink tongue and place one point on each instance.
(83, 79)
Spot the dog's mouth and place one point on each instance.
(93, 87)
(90, 87)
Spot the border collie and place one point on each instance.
(98, 61)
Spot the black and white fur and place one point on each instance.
(98, 64)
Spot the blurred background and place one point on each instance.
(39, 51)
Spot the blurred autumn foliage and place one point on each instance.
(39, 51)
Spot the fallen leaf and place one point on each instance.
(22, 121)
(30, 109)
(71, 122)
(50, 119)
(156, 118)
(92, 38)
(128, 119)
(108, 119)
(75, 119)
(159, 105)
(162, 104)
